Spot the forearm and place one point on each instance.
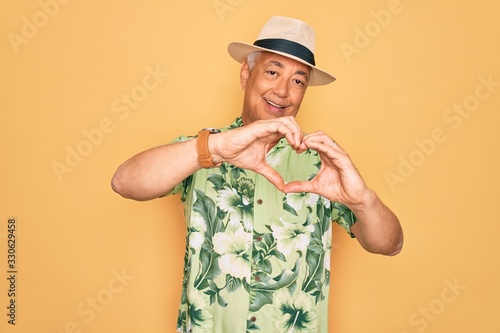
(378, 229)
(156, 171)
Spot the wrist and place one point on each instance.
(204, 148)
(366, 201)
(214, 151)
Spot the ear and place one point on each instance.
(244, 74)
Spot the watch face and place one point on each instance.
(212, 130)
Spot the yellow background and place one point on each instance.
(396, 85)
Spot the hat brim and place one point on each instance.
(239, 50)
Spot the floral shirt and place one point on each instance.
(257, 260)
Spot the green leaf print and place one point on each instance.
(214, 293)
(259, 298)
(289, 208)
(264, 249)
(315, 267)
(217, 180)
(232, 283)
(261, 293)
(221, 301)
(315, 253)
(209, 269)
(251, 326)
(265, 266)
(206, 207)
(235, 173)
(344, 216)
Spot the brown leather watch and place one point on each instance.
(204, 156)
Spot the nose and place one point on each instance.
(280, 89)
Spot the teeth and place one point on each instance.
(274, 104)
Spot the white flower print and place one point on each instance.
(327, 246)
(291, 236)
(296, 200)
(327, 203)
(199, 315)
(275, 155)
(238, 206)
(235, 250)
(294, 313)
(197, 231)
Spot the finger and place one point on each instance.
(314, 136)
(302, 148)
(288, 127)
(330, 153)
(334, 144)
(331, 156)
(298, 186)
(322, 142)
(295, 133)
(320, 136)
(272, 176)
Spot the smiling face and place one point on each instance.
(273, 88)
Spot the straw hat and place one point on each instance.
(288, 37)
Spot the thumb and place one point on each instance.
(298, 186)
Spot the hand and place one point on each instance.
(378, 229)
(338, 179)
(246, 147)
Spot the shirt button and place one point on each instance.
(257, 278)
(260, 201)
(253, 319)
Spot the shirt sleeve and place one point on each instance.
(343, 216)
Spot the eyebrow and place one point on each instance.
(280, 65)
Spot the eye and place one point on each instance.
(272, 73)
(298, 82)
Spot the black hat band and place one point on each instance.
(287, 46)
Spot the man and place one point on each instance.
(260, 196)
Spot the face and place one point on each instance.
(274, 87)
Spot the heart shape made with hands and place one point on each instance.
(303, 185)
(337, 179)
(248, 146)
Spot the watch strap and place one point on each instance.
(204, 156)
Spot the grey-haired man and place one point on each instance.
(260, 196)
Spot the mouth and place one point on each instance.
(282, 107)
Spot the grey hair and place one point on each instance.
(252, 58)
